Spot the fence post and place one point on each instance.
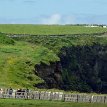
(64, 97)
(77, 98)
(39, 95)
(104, 99)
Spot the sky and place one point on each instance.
(53, 11)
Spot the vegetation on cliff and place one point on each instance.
(82, 56)
(79, 56)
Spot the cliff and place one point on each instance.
(81, 68)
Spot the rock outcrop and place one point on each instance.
(51, 74)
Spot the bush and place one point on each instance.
(5, 39)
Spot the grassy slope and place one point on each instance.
(38, 103)
(17, 63)
(49, 29)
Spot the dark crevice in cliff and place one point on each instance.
(51, 74)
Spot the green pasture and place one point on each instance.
(41, 103)
(49, 29)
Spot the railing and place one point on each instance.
(58, 96)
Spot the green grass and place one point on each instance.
(49, 29)
(41, 103)
(5, 40)
(17, 63)
(56, 43)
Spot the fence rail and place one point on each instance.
(58, 96)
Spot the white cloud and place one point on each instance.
(53, 19)
(58, 19)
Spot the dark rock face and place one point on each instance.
(85, 68)
(51, 75)
(81, 68)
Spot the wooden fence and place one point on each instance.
(58, 96)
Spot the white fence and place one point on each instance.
(59, 96)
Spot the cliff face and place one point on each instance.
(81, 68)
(85, 68)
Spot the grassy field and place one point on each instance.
(38, 103)
(49, 29)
